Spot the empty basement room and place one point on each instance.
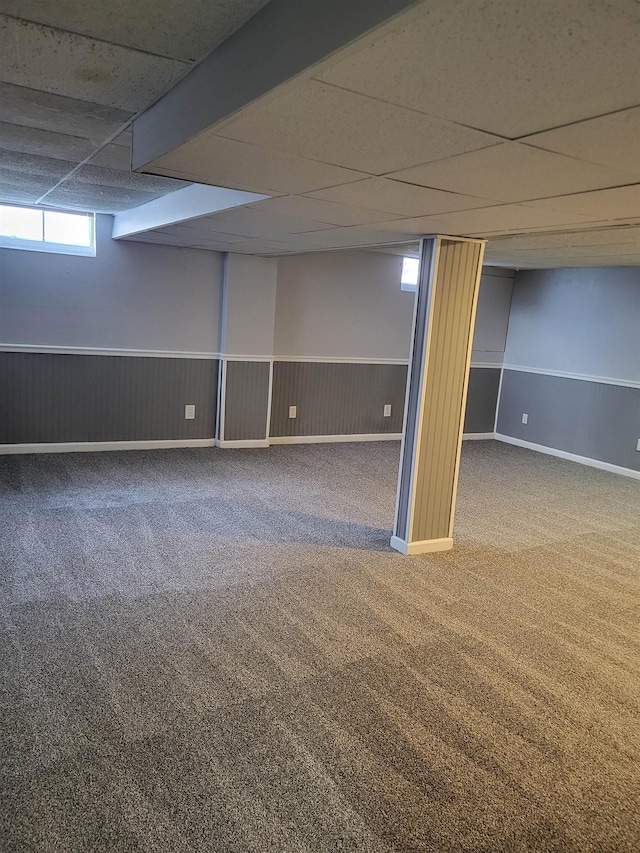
(320, 426)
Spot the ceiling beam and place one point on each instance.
(187, 203)
(283, 39)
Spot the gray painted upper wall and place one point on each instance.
(130, 296)
(492, 316)
(343, 305)
(248, 305)
(350, 305)
(583, 321)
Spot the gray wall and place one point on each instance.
(350, 305)
(246, 401)
(67, 398)
(342, 305)
(348, 399)
(590, 419)
(130, 296)
(584, 322)
(148, 297)
(336, 399)
(492, 316)
(248, 305)
(482, 399)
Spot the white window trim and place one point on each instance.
(51, 248)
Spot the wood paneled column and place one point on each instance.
(443, 323)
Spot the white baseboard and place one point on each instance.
(330, 439)
(249, 442)
(571, 457)
(478, 436)
(92, 446)
(426, 546)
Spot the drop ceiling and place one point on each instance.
(512, 121)
(72, 77)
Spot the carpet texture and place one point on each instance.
(207, 650)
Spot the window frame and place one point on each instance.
(50, 247)
(407, 286)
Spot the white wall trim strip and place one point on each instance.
(495, 420)
(243, 357)
(240, 443)
(338, 359)
(99, 446)
(139, 353)
(478, 436)
(571, 457)
(153, 353)
(584, 377)
(331, 439)
(92, 446)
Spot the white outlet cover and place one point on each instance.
(189, 413)
(525, 418)
(293, 411)
(638, 444)
(387, 410)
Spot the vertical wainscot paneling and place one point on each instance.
(246, 400)
(54, 398)
(482, 399)
(337, 399)
(592, 419)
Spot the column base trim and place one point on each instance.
(570, 457)
(93, 446)
(426, 546)
(240, 443)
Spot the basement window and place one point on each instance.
(410, 270)
(39, 230)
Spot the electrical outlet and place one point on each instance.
(638, 444)
(525, 418)
(387, 410)
(293, 411)
(189, 413)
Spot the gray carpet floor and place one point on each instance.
(207, 650)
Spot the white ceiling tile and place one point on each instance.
(321, 211)
(615, 203)
(184, 30)
(107, 190)
(513, 172)
(19, 192)
(78, 67)
(632, 260)
(115, 155)
(203, 231)
(45, 143)
(340, 238)
(563, 239)
(610, 140)
(44, 111)
(507, 217)
(258, 247)
(505, 67)
(105, 177)
(319, 122)
(259, 223)
(30, 173)
(384, 194)
(211, 159)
